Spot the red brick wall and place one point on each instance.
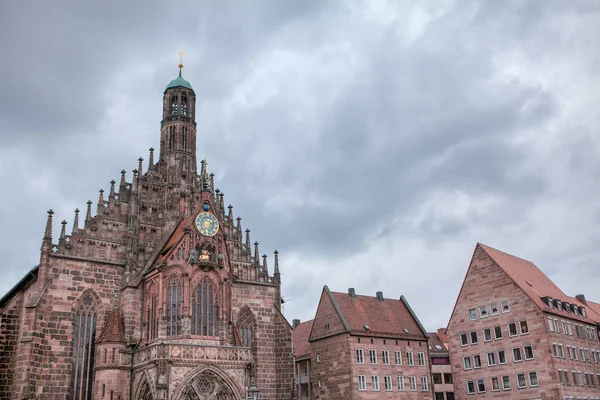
(332, 369)
(484, 284)
(9, 343)
(327, 321)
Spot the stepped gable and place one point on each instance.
(536, 284)
(300, 337)
(113, 329)
(387, 317)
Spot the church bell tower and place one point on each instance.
(178, 131)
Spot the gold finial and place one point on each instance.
(181, 54)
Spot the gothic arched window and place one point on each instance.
(174, 301)
(174, 105)
(184, 138)
(171, 137)
(152, 314)
(205, 310)
(246, 323)
(82, 361)
(184, 101)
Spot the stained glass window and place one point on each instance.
(174, 301)
(82, 360)
(205, 310)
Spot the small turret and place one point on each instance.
(100, 202)
(276, 274)
(140, 165)
(63, 231)
(111, 195)
(47, 242)
(256, 254)
(230, 213)
(264, 264)
(76, 222)
(151, 159)
(88, 216)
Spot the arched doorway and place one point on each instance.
(207, 385)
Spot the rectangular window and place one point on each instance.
(483, 312)
(398, 358)
(517, 356)
(474, 339)
(505, 306)
(498, 332)
(437, 379)
(362, 382)
(447, 378)
(467, 363)
(487, 334)
(410, 360)
(470, 387)
(385, 357)
(521, 382)
(494, 309)
(501, 357)
(570, 329)
(476, 361)
(375, 383)
(528, 350)
(555, 350)
(401, 383)
(412, 383)
(473, 314)
(491, 359)
(464, 340)
(424, 384)
(373, 356)
(387, 383)
(556, 326)
(506, 382)
(550, 324)
(512, 329)
(495, 383)
(524, 327)
(480, 386)
(561, 350)
(421, 359)
(360, 356)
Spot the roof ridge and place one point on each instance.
(486, 247)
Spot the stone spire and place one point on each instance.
(63, 230)
(88, 216)
(239, 227)
(217, 199)
(222, 205)
(123, 183)
(76, 222)
(264, 264)
(248, 239)
(111, 195)
(140, 161)
(100, 202)
(134, 180)
(230, 214)
(212, 181)
(276, 274)
(256, 253)
(151, 159)
(48, 232)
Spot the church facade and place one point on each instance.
(159, 295)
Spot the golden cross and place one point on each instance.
(181, 54)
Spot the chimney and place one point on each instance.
(351, 292)
(379, 296)
(295, 323)
(581, 298)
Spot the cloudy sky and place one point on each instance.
(373, 144)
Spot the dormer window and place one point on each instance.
(550, 303)
(566, 307)
(558, 304)
(575, 309)
(583, 312)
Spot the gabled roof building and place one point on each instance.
(514, 334)
(364, 347)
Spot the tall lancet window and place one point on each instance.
(174, 106)
(184, 102)
(174, 301)
(152, 314)
(82, 360)
(205, 310)
(184, 137)
(171, 137)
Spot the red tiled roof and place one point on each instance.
(300, 338)
(434, 340)
(387, 318)
(113, 330)
(594, 306)
(536, 284)
(441, 332)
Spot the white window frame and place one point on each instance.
(483, 383)
(360, 356)
(493, 363)
(478, 358)
(398, 357)
(375, 383)
(501, 333)
(471, 337)
(502, 306)
(465, 364)
(421, 359)
(460, 338)
(505, 360)
(472, 312)
(385, 357)
(505, 387)
(424, 384)
(492, 309)
(521, 330)
(516, 329)
(387, 383)
(485, 339)
(362, 379)
(400, 381)
(492, 384)
(372, 356)
(474, 389)
(525, 352)
(513, 354)
(412, 383)
(483, 312)
(524, 380)
(410, 358)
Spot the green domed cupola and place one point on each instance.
(179, 81)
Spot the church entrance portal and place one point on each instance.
(207, 386)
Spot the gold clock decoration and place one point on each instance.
(207, 224)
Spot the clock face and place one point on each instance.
(207, 224)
